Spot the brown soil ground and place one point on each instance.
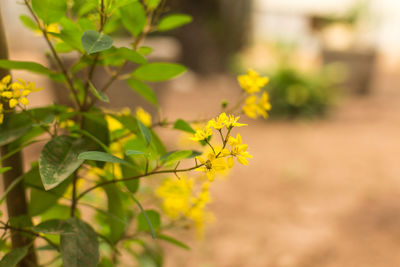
(317, 193)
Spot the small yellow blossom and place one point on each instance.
(6, 79)
(143, 116)
(212, 165)
(239, 150)
(176, 195)
(252, 82)
(219, 122)
(202, 135)
(12, 103)
(232, 122)
(113, 124)
(255, 106)
(24, 101)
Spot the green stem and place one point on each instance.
(133, 178)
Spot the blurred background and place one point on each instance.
(323, 188)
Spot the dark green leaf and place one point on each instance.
(40, 199)
(133, 17)
(145, 217)
(96, 125)
(143, 89)
(13, 257)
(154, 220)
(145, 132)
(53, 226)
(115, 207)
(132, 185)
(101, 156)
(173, 21)
(79, 247)
(173, 241)
(183, 126)
(157, 72)
(49, 11)
(29, 66)
(28, 22)
(94, 41)
(100, 95)
(131, 55)
(58, 160)
(14, 126)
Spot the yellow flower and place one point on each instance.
(239, 150)
(24, 101)
(219, 122)
(176, 195)
(143, 116)
(252, 82)
(202, 135)
(232, 122)
(113, 124)
(7, 94)
(13, 102)
(6, 79)
(255, 107)
(212, 165)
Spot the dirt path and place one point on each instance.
(322, 193)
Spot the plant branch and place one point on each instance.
(134, 178)
(55, 55)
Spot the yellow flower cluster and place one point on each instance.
(219, 160)
(254, 105)
(180, 200)
(14, 93)
(143, 116)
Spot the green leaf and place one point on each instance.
(58, 160)
(10, 187)
(80, 246)
(29, 66)
(40, 199)
(183, 126)
(49, 11)
(100, 95)
(173, 241)
(132, 55)
(101, 156)
(133, 17)
(94, 41)
(132, 185)
(134, 152)
(71, 33)
(152, 4)
(96, 125)
(145, 132)
(147, 220)
(153, 219)
(28, 22)
(53, 226)
(13, 257)
(115, 207)
(176, 156)
(143, 89)
(14, 126)
(145, 50)
(173, 21)
(4, 169)
(157, 72)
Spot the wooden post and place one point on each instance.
(16, 199)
